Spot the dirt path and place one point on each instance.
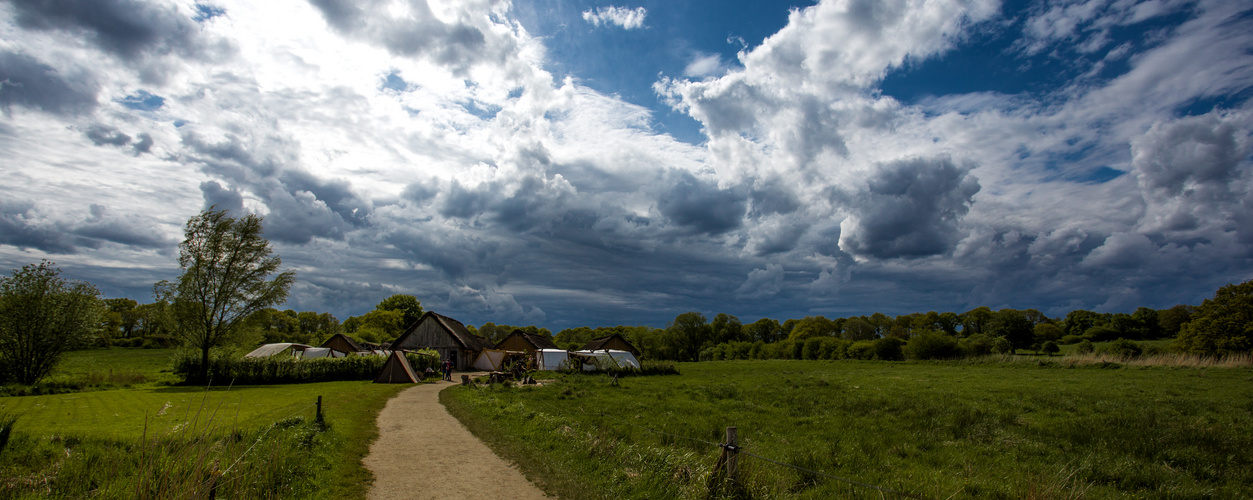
(424, 453)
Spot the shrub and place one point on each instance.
(1085, 347)
(932, 345)
(1071, 339)
(975, 345)
(862, 349)
(283, 370)
(1002, 346)
(1100, 334)
(1050, 348)
(889, 349)
(1124, 348)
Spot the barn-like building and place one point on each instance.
(342, 343)
(444, 335)
(525, 342)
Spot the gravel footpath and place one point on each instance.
(422, 452)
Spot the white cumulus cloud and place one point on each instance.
(625, 17)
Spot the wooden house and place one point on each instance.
(444, 335)
(615, 341)
(526, 342)
(342, 343)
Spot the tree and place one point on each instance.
(226, 267)
(41, 317)
(764, 330)
(687, 335)
(407, 304)
(1012, 325)
(1050, 348)
(1172, 320)
(1221, 325)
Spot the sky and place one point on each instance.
(569, 163)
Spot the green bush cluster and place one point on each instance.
(284, 370)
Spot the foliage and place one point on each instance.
(226, 266)
(1124, 348)
(937, 430)
(932, 345)
(1012, 325)
(1084, 347)
(1001, 345)
(408, 305)
(1221, 325)
(285, 370)
(41, 317)
(862, 349)
(1050, 348)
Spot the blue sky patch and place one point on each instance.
(143, 101)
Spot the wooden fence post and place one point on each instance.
(732, 453)
(319, 414)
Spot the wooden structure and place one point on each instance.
(615, 341)
(444, 335)
(342, 343)
(526, 342)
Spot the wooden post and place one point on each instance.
(319, 414)
(732, 453)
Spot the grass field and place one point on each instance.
(939, 430)
(105, 443)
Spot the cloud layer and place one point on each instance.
(428, 147)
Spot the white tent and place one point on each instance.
(268, 350)
(607, 358)
(320, 352)
(490, 360)
(552, 359)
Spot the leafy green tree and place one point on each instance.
(1221, 325)
(764, 330)
(1001, 345)
(856, 329)
(932, 345)
(726, 328)
(948, 322)
(1079, 321)
(226, 266)
(1045, 332)
(687, 336)
(1012, 325)
(1149, 323)
(889, 349)
(1172, 320)
(1085, 347)
(41, 317)
(1124, 348)
(1050, 348)
(812, 326)
(975, 321)
(406, 304)
(120, 317)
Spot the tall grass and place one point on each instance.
(1107, 359)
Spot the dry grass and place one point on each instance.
(1173, 360)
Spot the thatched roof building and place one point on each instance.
(342, 343)
(522, 341)
(444, 335)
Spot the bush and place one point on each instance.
(1001, 345)
(284, 370)
(975, 345)
(1085, 347)
(932, 345)
(1101, 334)
(862, 349)
(1050, 348)
(889, 349)
(1124, 348)
(1071, 339)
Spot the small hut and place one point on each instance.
(615, 342)
(444, 335)
(525, 342)
(396, 371)
(342, 343)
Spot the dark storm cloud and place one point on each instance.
(101, 135)
(910, 208)
(301, 205)
(127, 28)
(421, 191)
(453, 253)
(701, 205)
(143, 145)
(21, 227)
(129, 231)
(772, 197)
(27, 82)
(1197, 157)
(454, 44)
(218, 197)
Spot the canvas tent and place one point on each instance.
(611, 342)
(396, 371)
(607, 358)
(552, 359)
(320, 352)
(268, 350)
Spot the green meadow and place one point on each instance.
(149, 439)
(936, 430)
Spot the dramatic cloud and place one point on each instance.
(842, 158)
(625, 17)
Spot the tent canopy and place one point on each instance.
(396, 371)
(607, 358)
(268, 350)
(551, 359)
